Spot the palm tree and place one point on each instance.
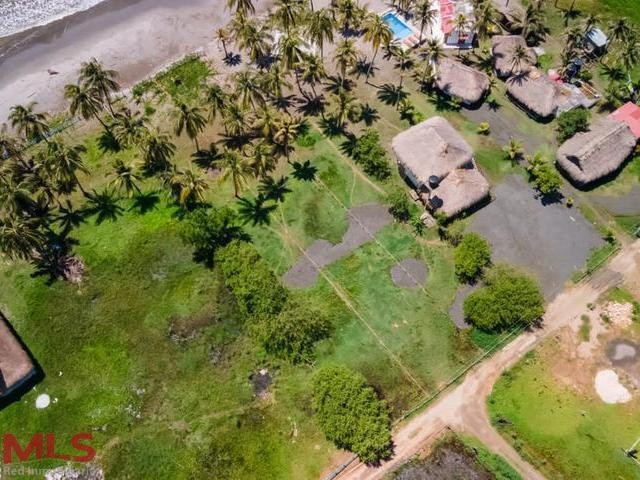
(346, 104)
(124, 178)
(92, 74)
(425, 76)
(86, 100)
(620, 30)
(286, 133)
(9, 146)
(253, 38)
(190, 188)
(346, 56)
(262, 159)
(305, 171)
(276, 81)
(486, 18)
(235, 167)
(157, 152)
(590, 23)
(513, 150)
(68, 217)
(425, 14)
(20, 237)
(313, 71)
(519, 56)
(350, 14)
(404, 62)
(15, 197)
(290, 50)
(433, 51)
(190, 120)
(460, 25)
(241, 6)
(287, 14)
(376, 32)
(215, 98)
(236, 120)
(274, 189)
(32, 125)
(65, 163)
(128, 128)
(531, 22)
(319, 28)
(223, 36)
(248, 88)
(266, 121)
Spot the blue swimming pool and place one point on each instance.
(400, 29)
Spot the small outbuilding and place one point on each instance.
(540, 96)
(596, 41)
(461, 81)
(16, 366)
(503, 48)
(438, 163)
(589, 156)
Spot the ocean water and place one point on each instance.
(19, 15)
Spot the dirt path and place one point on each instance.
(464, 408)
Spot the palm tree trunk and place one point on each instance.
(95, 114)
(311, 2)
(224, 47)
(375, 52)
(107, 97)
(195, 140)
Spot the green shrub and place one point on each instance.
(209, 229)
(368, 153)
(572, 122)
(256, 289)
(543, 174)
(509, 298)
(399, 205)
(350, 413)
(471, 256)
(292, 334)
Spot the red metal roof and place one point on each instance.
(629, 113)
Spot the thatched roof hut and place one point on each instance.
(432, 148)
(460, 190)
(589, 156)
(540, 96)
(16, 366)
(458, 80)
(502, 48)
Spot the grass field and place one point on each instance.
(565, 434)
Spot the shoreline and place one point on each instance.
(135, 37)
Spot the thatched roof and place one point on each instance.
(461, 81)
(502, 48)
(15, 364)
(537, 93)
(432, 147)
(460, 190)
(602, 150)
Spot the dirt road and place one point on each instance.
(464, 408)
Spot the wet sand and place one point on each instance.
(134, 37)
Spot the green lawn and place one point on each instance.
(565, 434)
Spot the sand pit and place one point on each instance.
(609, 388)
(409, 273)
(364, 222)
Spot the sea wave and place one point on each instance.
(19, 15)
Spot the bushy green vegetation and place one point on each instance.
(399, 205)
(368, 153)
(495, 464)
(509, 298)
(181, 81)
(350, 413)
(568, 434)
(572, 122)
(471, 256)
(543, 174)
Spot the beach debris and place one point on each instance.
(52, 72)
(43, 401)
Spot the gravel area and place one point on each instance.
(365, 221)
(456, 312)
(628, 204)
(409, 273)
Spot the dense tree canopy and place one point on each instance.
(371, 156)
(471, 256)
(351, 414)
(508, 298)
(572, 122)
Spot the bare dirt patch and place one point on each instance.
(409, 273)
(365, 221)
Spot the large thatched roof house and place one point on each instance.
(438, 163)
(16, 366)
(589, 156)
(503, 47)
(540, 96)
(458, 80)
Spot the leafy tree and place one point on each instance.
(572, 122)
(399, 205)
(292, 334)
(509, 298)
(545, 177)
(256, 289)
(351, 414)
(207, 230)
(471, 256)
(371, 155)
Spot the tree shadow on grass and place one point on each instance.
(312, 106)
(145, 202)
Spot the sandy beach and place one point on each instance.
(134, 37)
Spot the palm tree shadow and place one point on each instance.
(232, 59)
(330, 127)
(207, 158)
(104, 205)
(312, 106)
(369, 115)
(284, 102)
(349, 145)
(364, 67)
(493, 104)
(304, 171)
(256, 211)
(336, 83)
(390, 94)
(145, 202)
(108, 142)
